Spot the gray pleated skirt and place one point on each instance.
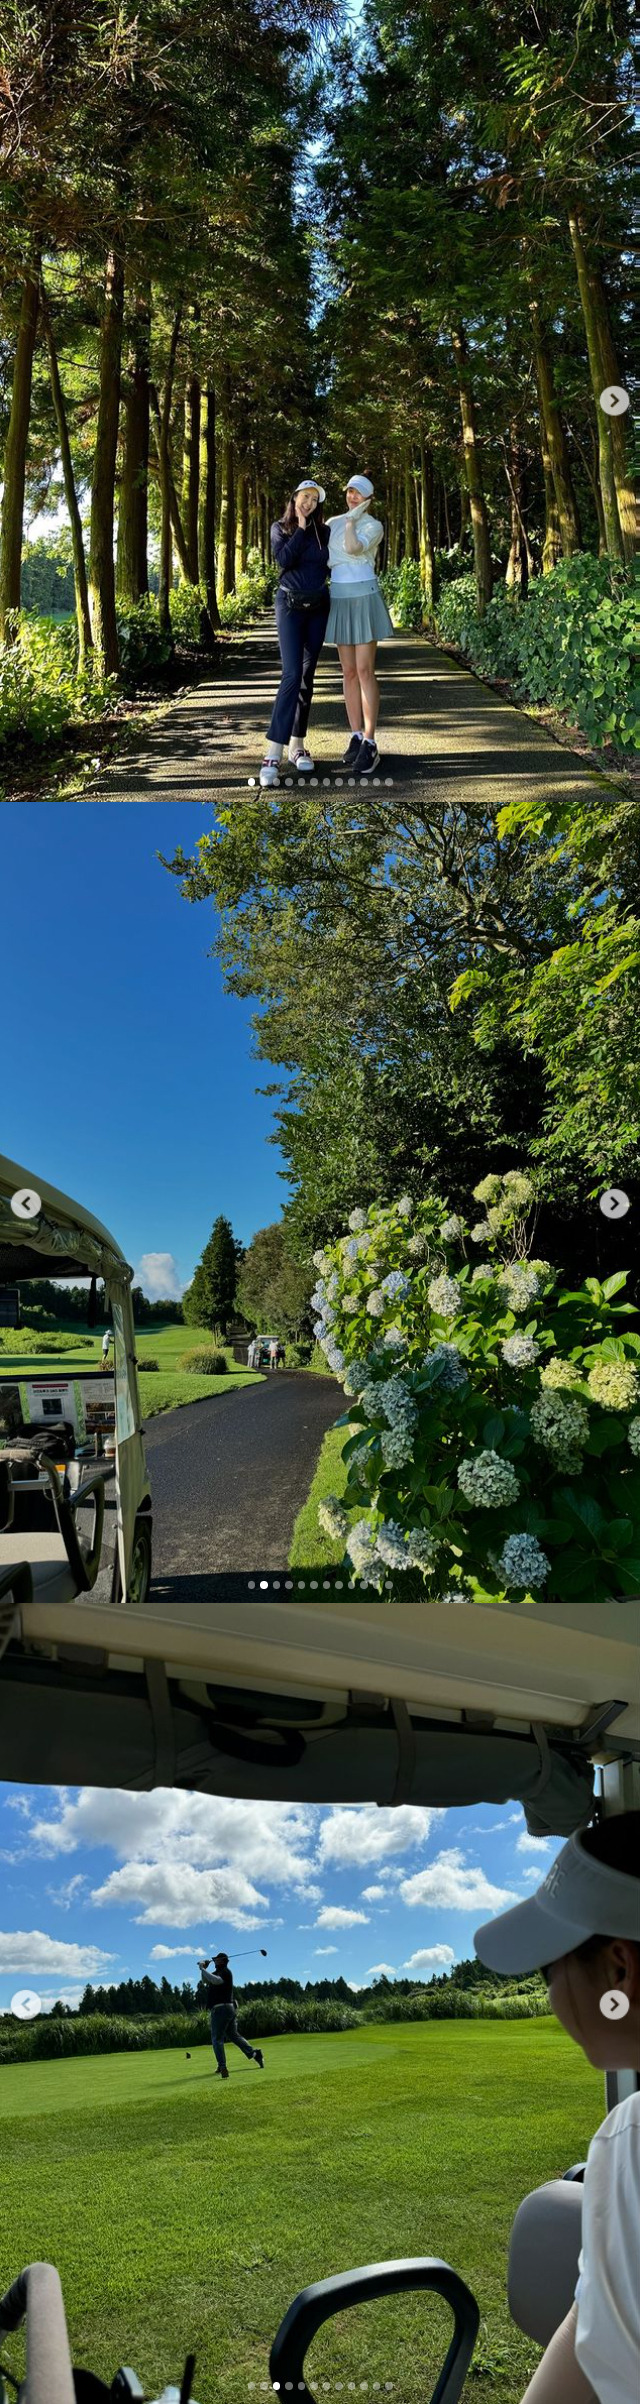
(358, 614)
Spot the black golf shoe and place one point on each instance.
(368, 759)
(349, 756)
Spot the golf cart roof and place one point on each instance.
(62, 1241)
(344, 1702)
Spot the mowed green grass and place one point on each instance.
(185, 2214)
(160, 1390)
(311, 1547)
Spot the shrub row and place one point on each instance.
(48, 2039)
(569, 645)
(27, 1340)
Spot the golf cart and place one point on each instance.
(346, 1703)
(64, 1438)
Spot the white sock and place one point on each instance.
(273, 751)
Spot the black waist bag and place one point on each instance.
(304, 601)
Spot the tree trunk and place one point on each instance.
(408, 508)
(15, 460)
(552, 545)
(465, 510)
(226, 530)
(445, 505)
(207, 553)
(473, 473)
(592, 314)
(618, 426)
(520, 561)
(191, 473)
(553, 437)
(428, 571)
(85, 638)
(102, 586)
(240, 550)
(132, 574)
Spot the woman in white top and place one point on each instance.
(582, 1929)
(358, 618)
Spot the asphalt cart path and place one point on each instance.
(229, 1476)
(441, 731)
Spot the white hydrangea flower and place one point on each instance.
(320, 1262)
(520, 1285)
(444, 1296)
(393, 1336)
(418, 1245)
(520, 1352)
(362, 1551)
(391, 1545)
(423, 1549)
(333, 1287)
(357, 1219)
(359, 1460)
(558, 1373)
(370, 1399)
(523, 1563)
(452, 1228)
(481, 1232)
(356, 1377)
(560, 1425)
(455, 1598)
(634, 1435)
(446, 1369)
(334, 1356)
(332, 1518)
(375, 1304)
(488, 1189)
(518, 1189)
(405, 1207)
(481, 1271)
(614, 1384)
(488, 1480)
(396, 1447)
(350, 1305)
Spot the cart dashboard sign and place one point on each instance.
(86, 1404)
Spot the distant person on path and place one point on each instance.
(224, 2028)
(300, 546)
(107, 1340)
(274, 1350)
(358, 619)
(581, 1928)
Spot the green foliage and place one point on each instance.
(274, 1289)
(254, 590)
(404, 594)
(493, 1420)
(145, 645)
(25, 1341)
(203, 1362)
(208, 1301)
(41, 692)
(46, 584)
(570, 644)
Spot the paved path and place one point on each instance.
(229, 1476)
(439, 730)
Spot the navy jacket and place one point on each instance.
(303, 557)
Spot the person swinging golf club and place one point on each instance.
(223, 2015)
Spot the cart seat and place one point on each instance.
(543, 2256)
(52, 1577)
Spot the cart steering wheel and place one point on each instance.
(319, 2303)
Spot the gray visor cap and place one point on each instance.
(579, 1898)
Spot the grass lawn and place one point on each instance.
(160, 1390)
(311, 1548)
(184, 2215)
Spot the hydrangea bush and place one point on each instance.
(493, 1413)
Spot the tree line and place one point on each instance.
(146, 1998)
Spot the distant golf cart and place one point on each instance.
(260, 1352)
(348, 1703)
(65, 1437)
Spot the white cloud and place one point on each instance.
(533, 1873)
(64, 1896)
(181, 1897)
(361, 1833)
(31, 1951)
(430, 1957)
(381, 1970)
(532, 1844)
(451, 1884)
(333, 1916)
(159, 1276)
(19, 1803)
(169, 1953)
(373, 1894)
(319, 1949)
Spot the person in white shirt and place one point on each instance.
(582, 1928)
(358, 619)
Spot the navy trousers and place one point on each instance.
(301, 634)
(225, 2031)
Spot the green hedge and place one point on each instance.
(48, 2039)
(27, 1341)
(569, 644)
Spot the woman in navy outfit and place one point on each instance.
(300, 546)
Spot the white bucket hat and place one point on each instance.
(309, 484)
(580, 1897)
(359, 484)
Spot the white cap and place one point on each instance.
(359, 484)
(308, 484)
(580, 1897)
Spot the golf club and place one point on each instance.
(245, 1957)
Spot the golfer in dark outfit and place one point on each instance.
(300, 546)
(224, 2027)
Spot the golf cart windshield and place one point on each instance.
(43, 1234)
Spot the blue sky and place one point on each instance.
(130, 1082)
(102, 1885)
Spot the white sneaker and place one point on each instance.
(270, 772)
(302, 761)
